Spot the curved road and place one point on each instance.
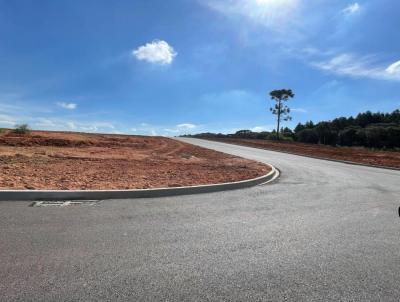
(325, 231)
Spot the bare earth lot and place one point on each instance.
(66, 160)
(353, 154)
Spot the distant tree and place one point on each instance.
(339, 123)
(280, 109)
(350, 136)
(326, 135)
(394, 117)
(307, 136)
(299, 127)
(263, 135)
(368, 129)
(22, 129)
(351, 121)
(309, 125)
(286, 131)
(245, 134)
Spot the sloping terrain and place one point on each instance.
(354, 154)
(67, 160)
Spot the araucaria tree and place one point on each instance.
(280, 109)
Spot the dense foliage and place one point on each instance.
(376, 130)
(373, 130)
(22, 129)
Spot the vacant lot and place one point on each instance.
(62, 160)
(354, 154)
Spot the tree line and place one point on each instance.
(373, 130)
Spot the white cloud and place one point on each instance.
(7, 120)
(156, 52)
(119, 132)
(46, 123)
(172, 130)
(186, 126)
(261, 128)
(180, 129)
(104, 125)
(51, 123)
(71, 125)
(23, 112)
(299, 110)
(70, 106)
(356, 66)
(352, 8)
(6, 123)
(133, 129)
(394, 68)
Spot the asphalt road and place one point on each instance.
(324, 231)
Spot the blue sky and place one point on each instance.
(187, 66)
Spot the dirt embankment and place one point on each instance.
(353, 154)
(67, 160)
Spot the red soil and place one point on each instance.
(67, 160)
(353, 154)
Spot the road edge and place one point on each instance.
(36, 195)
(309, 156)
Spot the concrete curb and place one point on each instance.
(32, 195)
(311, 156)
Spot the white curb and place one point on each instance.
(32, 195)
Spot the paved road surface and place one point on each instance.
(324, 231)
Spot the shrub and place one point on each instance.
(350, 136)
(326, 135)
(394, 137)
(22, 129)
(263, 135)
(307, 136)
(382, 137)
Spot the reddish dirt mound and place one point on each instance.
(353, 154)
(64, 160)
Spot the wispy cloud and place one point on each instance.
(11, 115)
(394, 69)
(360, 66)
(56, 123)
(7, 120)
(156, 52)
(352, 8)
(261, 128)
(299, 110)
(171, 130)
(69, 106)
(186, 126)
(181, 128)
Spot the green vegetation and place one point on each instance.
(22, 129)
(372, 130)
(280, 109)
